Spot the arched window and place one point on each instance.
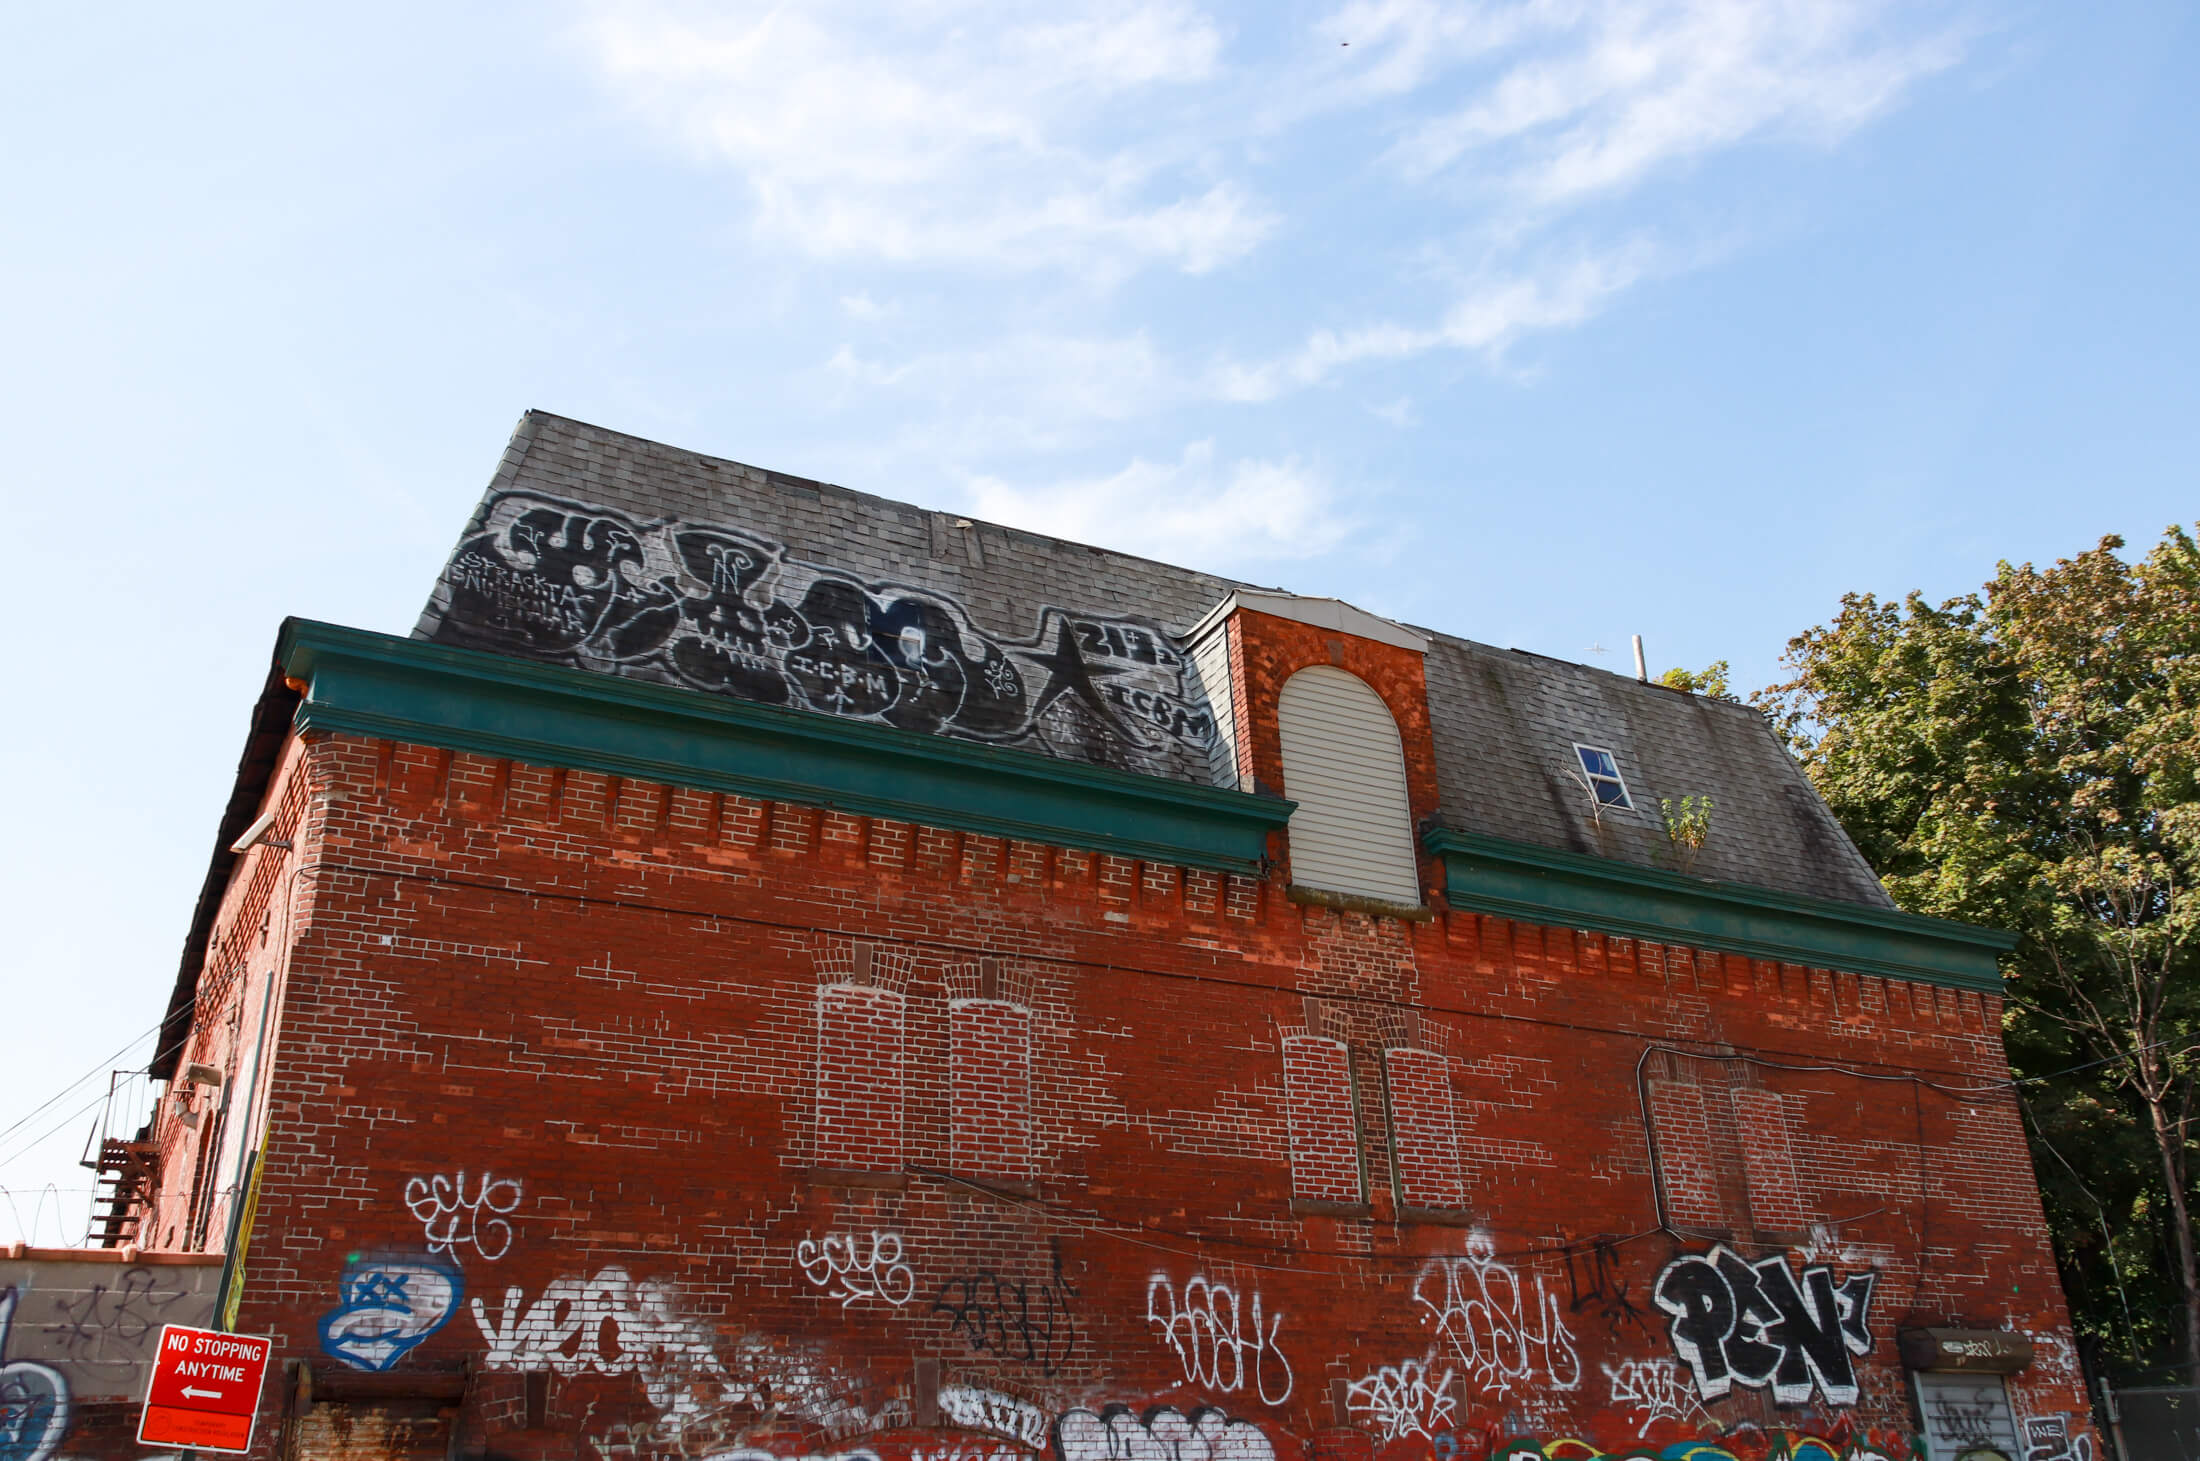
(1346, 768)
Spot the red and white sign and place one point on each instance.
(205, 1389)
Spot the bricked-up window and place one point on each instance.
(1325, 1142)
(1424, 1135)
(989, 1056)
(1687, 1165)
(859, 1078)
(1768, 1159)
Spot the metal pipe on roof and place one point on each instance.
(1642, 666)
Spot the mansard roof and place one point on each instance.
(607, 552)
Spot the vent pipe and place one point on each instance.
(1642, 666)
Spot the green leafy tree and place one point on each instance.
(2028, 756)
(1710, 681)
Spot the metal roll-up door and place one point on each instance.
(1346, 768)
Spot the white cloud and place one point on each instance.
(1100, 138)
(1485, 317)
(1058, 381)
(943, 133)
(1192, 510)
(1601, 95)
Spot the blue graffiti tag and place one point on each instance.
(390, 1303)
(34, 1399)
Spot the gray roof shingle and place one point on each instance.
(627, 556)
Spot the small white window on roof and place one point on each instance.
(1605, 782)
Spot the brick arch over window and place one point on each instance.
(1346, 768)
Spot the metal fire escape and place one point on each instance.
(124, 1169)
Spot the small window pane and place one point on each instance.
(1598, 763)
(1611, 793)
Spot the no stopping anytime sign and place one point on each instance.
(205, 1389)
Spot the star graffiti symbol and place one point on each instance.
(1070, 673)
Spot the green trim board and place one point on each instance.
(470, 700)
(1542, 885)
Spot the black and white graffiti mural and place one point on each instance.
(721, 609)
(1756, 1323)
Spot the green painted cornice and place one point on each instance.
(468, 700)
(1541, 885)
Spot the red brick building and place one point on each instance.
(769, 971)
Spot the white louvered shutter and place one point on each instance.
(1345, 767)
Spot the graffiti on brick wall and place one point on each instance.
(1757, 1324)
(1411, 1398)
(721, 609)
(850, 1267)
(1505, 1333)
(452, 1219)
(1596, 1287)
(608, 1325)
(2049, 1438)
(755, 1383)
(960, 1451)
(1776, 1445)
(1652, 1391)
(756, 1453)
(388, 1305)
(1162, 1434)
(1019, 1319)
(1224, 1342)
(126, 1314)
(34, 1398)
(978, 1409)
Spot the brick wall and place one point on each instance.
(619, 1120)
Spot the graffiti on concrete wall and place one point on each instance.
(34, 1398)
(849, 1267)
(1412, 1398)
(1020, 1319)
(1505, 1333)
(452, 1219)
(977, 1409)
(106, 1318)
(721, 609)
(388, 1305)
(1163, 1434)
(1223, 1342)
(1759, 1325)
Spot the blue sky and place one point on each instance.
(1541, 323)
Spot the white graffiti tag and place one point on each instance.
(452, 1220)
(1654, 1390)
(990, 1410)
(1502, 1334)
(1166, 1434)
(841, 1265)
(613, 1326)
(1205, 1326)
(1410, 1400)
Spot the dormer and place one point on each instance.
(1326, 704)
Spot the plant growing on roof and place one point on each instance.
(1687, 826)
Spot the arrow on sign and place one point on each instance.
(203, 1394)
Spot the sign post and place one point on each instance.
(205, 1390)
